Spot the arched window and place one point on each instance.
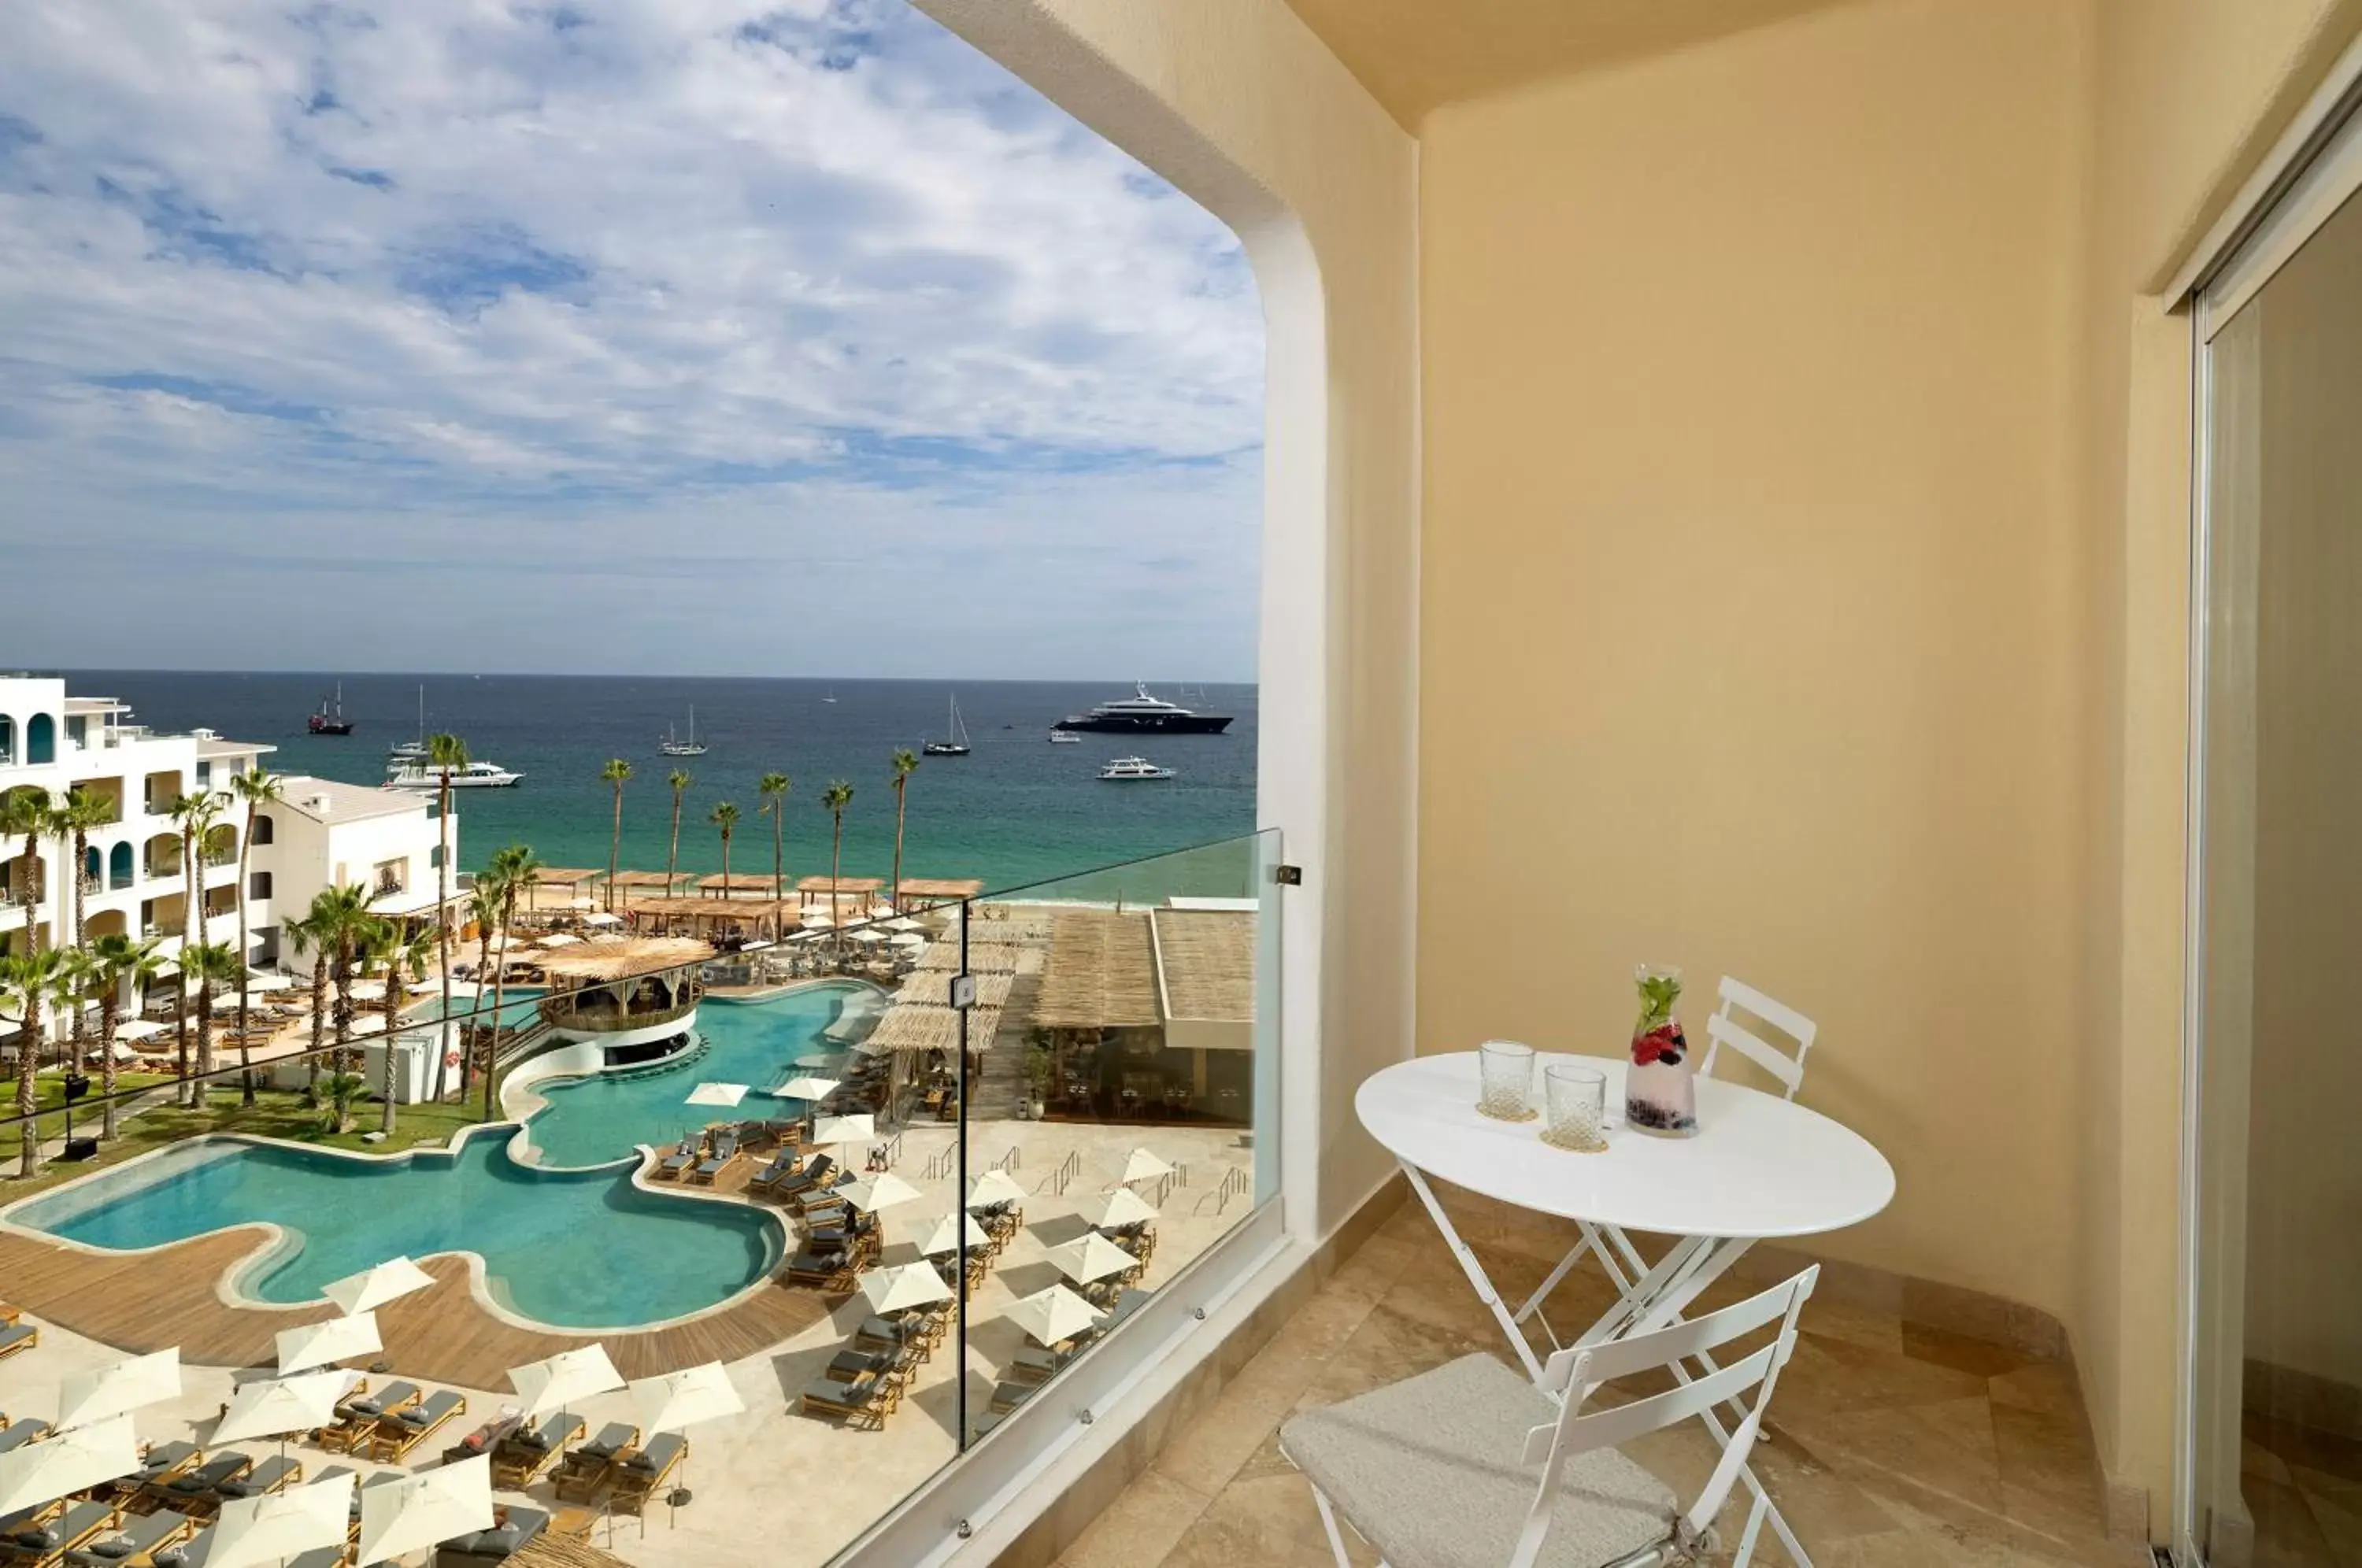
(262, 829)
(94, 865)
(40, 740)
(7, 738)
(118, 866)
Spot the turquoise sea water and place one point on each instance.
(573, 1248)
(1016, 810)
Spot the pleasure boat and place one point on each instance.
(328, 722)
(416, 773)
(1124, 769)
(1141, 714)
(673, 745)
(1065, 738)
(956, 745)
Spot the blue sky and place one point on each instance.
(677, 335)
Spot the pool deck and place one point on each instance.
(150, 1301)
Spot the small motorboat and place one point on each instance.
(1125, 770)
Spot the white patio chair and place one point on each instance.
(1472, 1466)
(1722, 1030)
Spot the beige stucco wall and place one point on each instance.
(1751, 612)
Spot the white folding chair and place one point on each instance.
(1722, 1030)
(1472, 1466)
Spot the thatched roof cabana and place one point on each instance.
(983, 957)
(932, 988)
(1206, 976)
(718, 886)
(656, 914)
(651, 878)
(619, 958)
(1100, 972)
(551, 1549)
(908, 1029)
(937, 889)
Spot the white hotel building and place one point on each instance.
(132, 877)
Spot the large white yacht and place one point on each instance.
(1124, 769)
(414, 773)
(1141, 714)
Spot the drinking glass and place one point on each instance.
(1577, 1098)
(1504, 1081)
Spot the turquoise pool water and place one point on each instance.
(572, 1248)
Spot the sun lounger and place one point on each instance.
(201, 1486)
(1008, 1395)
(832, 1271)
(524, 1455)
(783, 1166)
(518, 1526)
(21, 1433)
(583, 1473)
(359, 1414)
(398, 1432)
(1035, 1366)
(45, 1545)
(642, 1474)
(865, 1401)
(820, 1173)
(274, 1475)
(677, 1163)
(19, 1337)
(136, 1542)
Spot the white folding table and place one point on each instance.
(1760, 1168)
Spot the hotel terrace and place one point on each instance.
(1850, 498)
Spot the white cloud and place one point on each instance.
(646, 258)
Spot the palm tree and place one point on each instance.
(616, 772)
(726, 817)
(114, 958)
(680, 781)
(302, 934)
(340, 920)
(254, 789)
(449, 755)
(834, 799)
(72, 821)
(29, 980)
(484, 909)
(204, 965)
(396, 952)
(516, 870)
(196, 816)
(906, 762)
(26, 812)
(773, 788)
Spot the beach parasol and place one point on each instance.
(904, 924)
(280, 1406)
(945, 1237)
(332, 1339)
(602, 919)
(910, 939)
(869, 934)
(375, 1286)
(806, 1086)
(33, 1474)
(368, 990)
(717, 1094)
(1142, 1165)
(281, 1525)
(561, 939)
(411, 1514)
(845, 1129)
(569, 1377)
(1053, 1316)
(883, 1190)
(1123, 1207)
(904, 1286)
(1089, 1256)
(677, 1399)
(994, 1186)
(84, 1397)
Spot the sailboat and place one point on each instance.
(832, 695)
(673, 745)
(958, 745)
(325, 723)
(405, 753)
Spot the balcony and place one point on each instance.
(157, 867)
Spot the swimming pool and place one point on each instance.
(571, 1248)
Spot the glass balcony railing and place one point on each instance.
(910, 1168)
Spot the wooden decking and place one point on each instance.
(149, 1302)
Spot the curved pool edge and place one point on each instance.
(226, 1285)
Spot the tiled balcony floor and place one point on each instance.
(1892, 1443)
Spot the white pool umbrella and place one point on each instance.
(844, 1129)
(602, 919)
(33, 1474)
(717, 1094)
(332, 1339)
(905, 923)
(263, 985)
(1053, 1314)
(374, 1288)
(119, 1385)
(369, 1023)
(1123, 1207)
(1089, 1256)
(904, 1286)
(994, 1186)
(368, 990)
(806, 1086)
(1142, 1165)
(869, 934)
(277, 1526)
(137, 1029)
(566, 1378)
(280, 1405)
(693, 1394)
(883, 1190)
(399, 1518)
(559, 939)
(945, 1237)
(909, 939)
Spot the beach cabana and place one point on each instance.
(853, 893)
(718, 886)
(623, 983)
(923, 892)
(662, 883)
(705, 917)
(932, 988)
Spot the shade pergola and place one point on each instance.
(1100, 972)
(719, 886)
(856, 889)
(932, 988)
(659, 879)
(983, 957)
(912, 1030)
(936, 889)
(1206, 976)
(710, 913)
(617, 959)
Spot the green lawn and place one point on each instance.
(276, 1113)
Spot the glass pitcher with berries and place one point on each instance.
(1659, 1093)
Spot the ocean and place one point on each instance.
(1017, 812)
